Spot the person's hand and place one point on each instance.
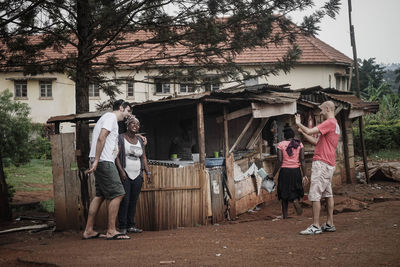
(297, 118)
(305, 180)
(123, 176)
(148, 174)
(144, 139)
(93, 168)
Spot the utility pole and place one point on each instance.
(360, 119)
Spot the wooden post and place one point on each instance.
(229, 167)
(345, 147)
(200, 130)
(360, 119)
(202, 151)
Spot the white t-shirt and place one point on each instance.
(109, 122)
(132, 157)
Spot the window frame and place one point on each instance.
(163, 85)
(128, 91)
(23, 92)
(93, 88)
(187, 86)
(48, 88)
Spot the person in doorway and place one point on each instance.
(291, 177)
(323, 166)
(131, 163)
(184, 144)
(104, 150)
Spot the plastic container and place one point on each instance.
(213, 162)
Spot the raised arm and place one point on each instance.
(305, 129)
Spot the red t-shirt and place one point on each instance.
(290, 161)
(325, 150)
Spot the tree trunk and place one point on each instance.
(82, 98)
(5, 210)
(82, 83)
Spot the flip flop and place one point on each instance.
(116, 237)
(98, 235)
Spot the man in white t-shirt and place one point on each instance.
(104, 150)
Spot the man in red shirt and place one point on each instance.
(323, 165)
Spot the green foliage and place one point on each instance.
(370, 74)
(378, 136)
(10, 188)
(40, 143)
(47, 205)
(15, 127)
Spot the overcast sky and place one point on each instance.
(377, 29)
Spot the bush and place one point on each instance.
(40, 143)
(378, 136)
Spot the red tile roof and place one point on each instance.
(314, 51)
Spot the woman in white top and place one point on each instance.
(131, 163)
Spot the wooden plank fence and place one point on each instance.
(176, 198)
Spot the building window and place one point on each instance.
(186, 87)
(94, 90)
(46, 89)
(21, 89)
(341, 82)
(211, 84)
(162, 86)
(130, 89)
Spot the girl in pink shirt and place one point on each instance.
(290, 159)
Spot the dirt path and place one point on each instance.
(370, 237)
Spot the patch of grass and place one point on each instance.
(385, 155)
(393, 154)
(30, 177)
(47, 205)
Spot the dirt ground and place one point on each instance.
(368, 234)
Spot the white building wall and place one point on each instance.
(63, 99)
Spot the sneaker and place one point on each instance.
(327, 228)
(311, 230)
(134, 230)
(297, 207)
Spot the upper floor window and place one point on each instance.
(94, 90)
(130, 89)
(162, 86)
(341, 82)
(20, 89)
(186, 87)
(46, 89)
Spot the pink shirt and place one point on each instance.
(290, 161)
(325, 150)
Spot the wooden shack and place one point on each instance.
(232, 122)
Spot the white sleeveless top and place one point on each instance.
(132, 156)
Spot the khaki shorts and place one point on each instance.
(321, 181)
(108, 184)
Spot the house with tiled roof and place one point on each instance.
(50, 94)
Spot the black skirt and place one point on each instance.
(290, 185)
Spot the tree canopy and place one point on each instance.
(85, 36)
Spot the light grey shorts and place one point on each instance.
(321, 181)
